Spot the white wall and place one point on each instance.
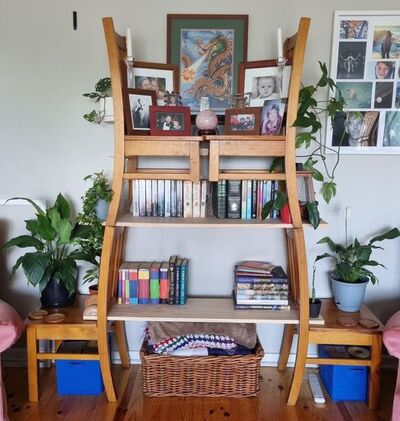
(47, 147)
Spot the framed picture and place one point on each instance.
(261, 79)
(155, 76)
(137, 104)
(208, 50)
(366, 68)
(272, 117)
(170, 121)
(242, 121)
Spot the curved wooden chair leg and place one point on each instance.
(299, 368)
(286, 345)
(119, 326)
(105, 365)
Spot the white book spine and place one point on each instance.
(142, 197)
(135, 197)
(154, 198)
(167, 198)
(203, 198)
(244, 199)
(173, 198)
(187, 199)
(179, 198)
(160, 198)
(196, 199)
(148, 197)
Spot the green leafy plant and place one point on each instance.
(309, 136)
(88, 220)
(352, 260)
(54, 237)
(102, 90)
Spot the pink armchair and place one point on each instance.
(391, 339)
(11, 327)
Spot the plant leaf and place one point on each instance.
(62, 206)
(35, 265)
(24, 241)
(267, 208)
(313, 214)
(45, 230)
(38, 209)
(388, 235)
(323, 256)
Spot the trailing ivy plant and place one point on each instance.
(93, 242)
(102, 90)
(309, 136)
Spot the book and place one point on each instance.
(260, 279)
(144, 283)
(233, 199)
(254, 200)
(160, 198)
(154, 195)
(167, 198)
(196, 198)
(135, 197)
(183, 282)
(249, 199)
(171, 279)
(219, 199)
(203, 198)
(255, 266)
(142, 197)
(244, 200)
(148, 198)
(164, 283)
(155, 283)
(265, 286)
(177, 280)
(260, 187)
(131, 274)
(187, 199)
(258, 301)
(179, 198)
(173, 198)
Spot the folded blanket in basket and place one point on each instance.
(242, 333)
(202, 351)
(193, 341)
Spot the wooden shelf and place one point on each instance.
(127, 220)
(218, 310)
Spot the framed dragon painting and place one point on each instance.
(208, 50)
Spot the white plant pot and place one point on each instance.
(348, 296)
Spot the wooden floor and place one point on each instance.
(133, 406)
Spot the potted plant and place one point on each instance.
(102, 96)
(315, 303)
(52, 265)
(94, 210)
(351, 274)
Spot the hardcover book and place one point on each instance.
(183, 282)
(154, 195)
(171, 279)
(249, 199)
(196, 199)
(155, 283)
(160, 198)
(177, 280)
(167, 198)
(130, 270)
(179, 198)
(219, 198)
(135, 197)
(144, 282)
(187, 199)
(142, 197)
(164, 283)
(173, 198)
(148, 198)
(233, 199)
(244, 200)
(203, 198)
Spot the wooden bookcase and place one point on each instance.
(128, 150)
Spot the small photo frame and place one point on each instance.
(170, 121)
(242, 121)
(260, 78)
(137, 104)
(272, 117)
(157, 77)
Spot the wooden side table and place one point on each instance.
(72, 328)
(333, 333)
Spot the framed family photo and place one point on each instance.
(158, 77)
(260, 78)
(137, 104)
(170, 121)
(366, 68)
(208, 50)
(242, 121)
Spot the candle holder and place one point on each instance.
(129, 61)
(281, 62)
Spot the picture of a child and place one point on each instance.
(266, 87)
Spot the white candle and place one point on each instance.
(280, 49)
(129, 54)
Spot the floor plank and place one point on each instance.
(133, 406)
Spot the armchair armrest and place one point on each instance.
(11, 326)
(391, 335)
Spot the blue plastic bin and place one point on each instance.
(78, 377)
(344, 382)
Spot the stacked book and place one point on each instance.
(260, 285)
(153, 282)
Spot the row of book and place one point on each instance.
(153, 282)
(243, 199)
(260, 285)
(170, 198)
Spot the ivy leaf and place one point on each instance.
(267, 208)
(313, 214)
(277, 164)
(328, 190)
(280, 200)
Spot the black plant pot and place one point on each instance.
(315, 308)
(55, 295)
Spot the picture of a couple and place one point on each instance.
(170, 121)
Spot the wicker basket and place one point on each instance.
(232, 376)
